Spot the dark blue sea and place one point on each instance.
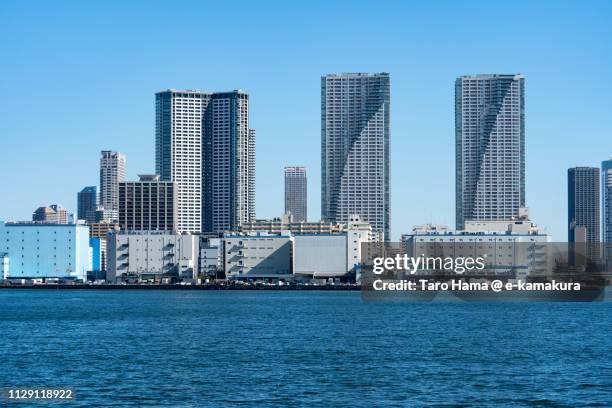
(290, 349)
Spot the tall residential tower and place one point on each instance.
(295, 193)
(229, 163)
(489, 147)
(583, 220)
(355, 137)
(606, 208)
(204, 144)
(112, 172)
(179, 130)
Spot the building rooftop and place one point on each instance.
(148, 177)
(490, 76)
(200, 92)
(40, 224)
(356, 74)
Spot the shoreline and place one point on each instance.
(186, 287)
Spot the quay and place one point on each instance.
(205, 286)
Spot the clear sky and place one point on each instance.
(78, 77)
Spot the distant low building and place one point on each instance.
(210, 257)
(286, 223)
(427, 228)
(96, 252)
(99, 231)
(320, 256)
(257, 256)
(284, 249)
(358, 233)
(53, 214)
(516, 247)
(151, 255)
(31, 250)
(87, 202)
(103, 214)
(332, 255)
(102, 228)
(98, 258)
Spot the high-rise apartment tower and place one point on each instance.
(296, 193)
(355, 138)
(112, 172)
(204, 144)
(489, 147)
(583, 216)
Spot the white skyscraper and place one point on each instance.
(355, 136)
(606, 209)
(490, 147)
(296, 193)
(112, 172)
(606, 195)
(251, 177)
(179, 130)
(229, 198)
(204, 144)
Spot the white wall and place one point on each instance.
(320, 255)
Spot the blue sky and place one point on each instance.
(79, 77)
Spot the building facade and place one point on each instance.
(583, 208)
(98, 238)
(102, 228)
(98, 258)
(229, 185)
(147, 205)
(257, 256)
(286, 222)
(320, 256)
(251, 191)
(179, 130)
(514, 249)
(204, 144)
(296, 193)
(43, 250)
(112, 172)
(87, 203)
(358, 233)
(355, 138)
(490, 147)
(104, 215)
(606, 209)
(143, 255)
(211, 259)
(319, 249)
(53, 214)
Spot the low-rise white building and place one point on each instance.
(358, 233)
(144, 255)
(320, 256)
(508, 247)
(332, 255)
(210, 257)
(286, 223)
(257, 256)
